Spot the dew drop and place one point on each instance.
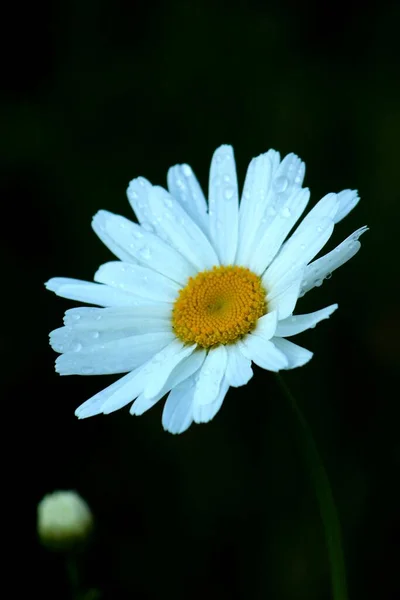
(319, 229)
(302, 246)
(318, 282)
(285, 212)
(137, 234)
(135, 195)
(328, 276)
(95, 335)
(76, 347)
(145, 253)
(76, 317)
(280, 184)
(229, 192)
(98, 317)
(227, 178)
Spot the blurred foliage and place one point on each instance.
(96, 93)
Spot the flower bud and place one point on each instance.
(64, 520)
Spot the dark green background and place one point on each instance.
(96, 93)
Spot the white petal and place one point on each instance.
(238, 368)
(223, 200)
(296, 355)
(178, 410)
(182, 371)
(348, 199)
(302, 246)
(104, 319)
(137, 194)
(92, 293)
(263, 353)
(282, 296)
(266, 325)
(321, 268)
(210, 376)
(203, 413)
(299, 323)
(146, 248)
(67, 339)
(276, 232)
(177, 352)
(138, 280)
(117, 356)
(174, 225)
(185, 188)
(127, 385)
(328, 206)
(98, 226)
(268, 192)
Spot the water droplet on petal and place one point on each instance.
(76, 317)
(227, 178)
(229, 192)
(135, 195)
(302, 246)
(319, 229)
(76, 347)
(328, 275)
(285, 212)
(98, 317)
(95, 335)
(145, 253)
(318, 282)
(280, 184)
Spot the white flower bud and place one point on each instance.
(64, 520)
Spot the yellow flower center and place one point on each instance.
(218, 306)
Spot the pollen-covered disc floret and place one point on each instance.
(219, 306)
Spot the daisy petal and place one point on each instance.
(138, 280)
(238, 368)
(282, 297)
(183, 186)
(295, 355)
(137, 193)
(175, 353)
(321, 268)
(92, 293)
(146, 248)
(266, 325)
(224, 204)
(117, 356)
(178, 410)
(103, 319)
(268, 192)
(203, 413)
(182, 371)
(348, 199)
(263, 353)
(98, 226)
(73, 339)
(173, 224)
(210, 376)
(303, 245)
(94, 406)
(275, 234)
(299, 323)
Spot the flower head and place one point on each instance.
(201, 290)
(64, 520)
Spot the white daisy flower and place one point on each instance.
(201, 290)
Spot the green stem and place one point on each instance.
(73, 575)
(329, 514)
